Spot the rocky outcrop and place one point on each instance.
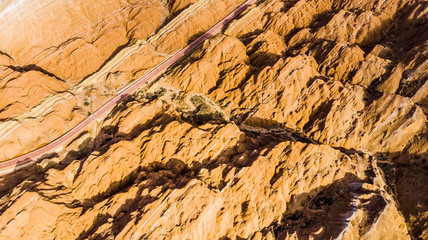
(302, 119)
(105, 51)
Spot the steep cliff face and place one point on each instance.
(302, 119)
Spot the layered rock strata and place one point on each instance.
(302, 119)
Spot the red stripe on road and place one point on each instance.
(31, 156)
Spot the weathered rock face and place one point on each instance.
(302, 119)
(100, 48)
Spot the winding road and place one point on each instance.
(31, 157)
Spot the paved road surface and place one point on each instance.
(30, 158)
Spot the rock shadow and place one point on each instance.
(176, 174)
(406, 176)
(323, 212)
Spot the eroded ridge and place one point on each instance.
(302, 119)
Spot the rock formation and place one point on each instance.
(302, 119)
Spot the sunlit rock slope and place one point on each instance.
(303, 119)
